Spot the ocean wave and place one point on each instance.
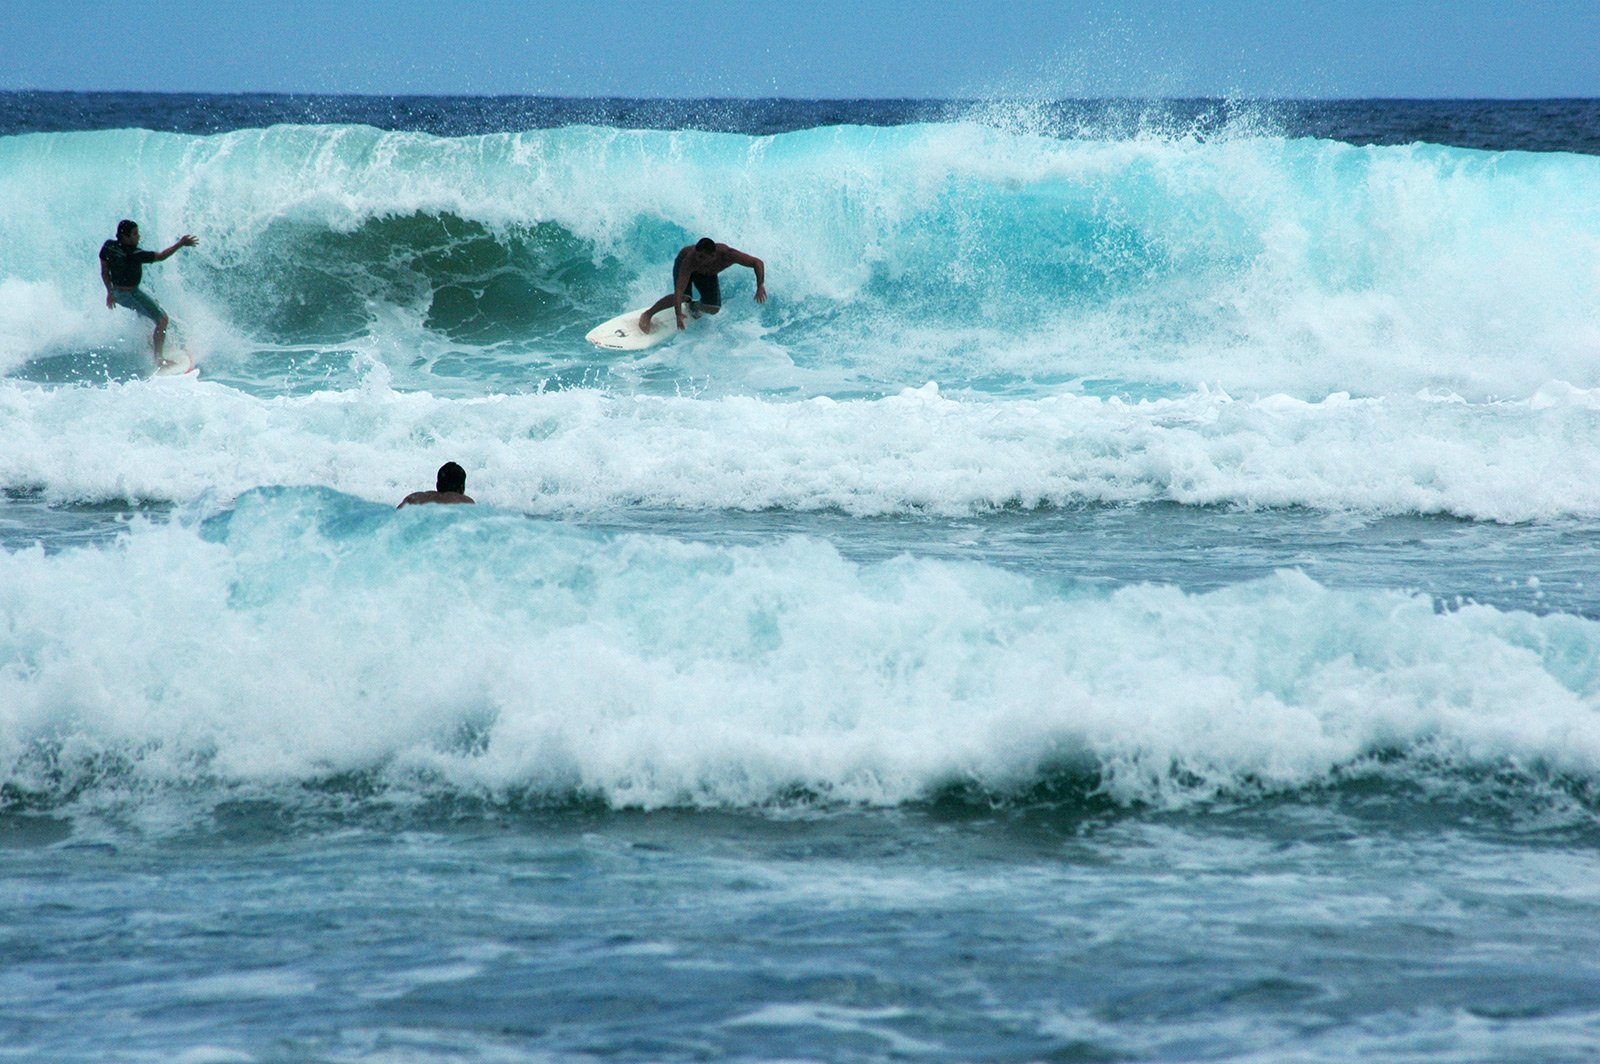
(924, 450)
(948, 251)
(301, 637)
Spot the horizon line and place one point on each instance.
(1223, 98)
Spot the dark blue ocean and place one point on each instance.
(1129, 594)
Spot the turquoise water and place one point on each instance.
(1128, 595)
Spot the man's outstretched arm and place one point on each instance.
(755, 264)
(184, 241)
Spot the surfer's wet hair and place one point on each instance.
(451, 478)
(126, 226)
(705, 245)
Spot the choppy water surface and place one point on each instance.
(1128, 595)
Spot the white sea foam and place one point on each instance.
(963, 320)
(921, 450)
(307, 635)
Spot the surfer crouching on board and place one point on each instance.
(698, 265)
(122, 264)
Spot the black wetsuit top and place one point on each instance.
(125, 264)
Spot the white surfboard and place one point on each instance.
(622, 333)
(180, 363)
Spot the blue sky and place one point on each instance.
(811, 48)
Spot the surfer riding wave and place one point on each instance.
(697, 267)
(122, 263)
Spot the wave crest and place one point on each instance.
(950, 251)
(481, 654)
